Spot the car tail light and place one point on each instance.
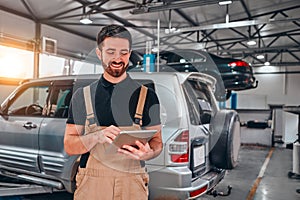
(239, 63)
(179, 148)
(198, 192)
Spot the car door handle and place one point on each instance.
(29, 125)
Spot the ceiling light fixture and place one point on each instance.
(267, 63)
(85, 20)
(260, 56)
(226, 3)
(251, 43)
(222, 3)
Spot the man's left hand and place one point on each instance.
(143, 152)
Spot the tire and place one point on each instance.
(225, 139)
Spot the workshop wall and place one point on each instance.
(15, 26)
(272, 89)
(69, 44)
(23, 30)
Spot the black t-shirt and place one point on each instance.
(115, 104)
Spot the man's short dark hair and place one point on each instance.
(113, 31)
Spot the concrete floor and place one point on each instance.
(274, 185)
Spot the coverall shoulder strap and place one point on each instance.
(140, 105)
(90, 120)
(90, 116)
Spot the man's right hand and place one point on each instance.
(108, 134)
(76, 143)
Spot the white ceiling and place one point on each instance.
(202, 23)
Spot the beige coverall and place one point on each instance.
(109, 175)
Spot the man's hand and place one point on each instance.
(75, 142)
(108, 134)
(145, 152)
(142, 152)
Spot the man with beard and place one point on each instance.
(99, 112)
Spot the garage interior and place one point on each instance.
(52, 38)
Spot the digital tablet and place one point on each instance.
(129, 137)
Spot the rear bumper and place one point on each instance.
(239, 81)
(177, 183)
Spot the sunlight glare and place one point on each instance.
(15, 63)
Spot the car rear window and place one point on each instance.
(198, 100)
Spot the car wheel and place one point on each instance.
(225, 139)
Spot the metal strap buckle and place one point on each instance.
(91, 119)
(137, 121)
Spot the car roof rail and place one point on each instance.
(24, 81)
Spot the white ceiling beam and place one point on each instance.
(235, 24)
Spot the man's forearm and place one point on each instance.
(156, 146)
(75, 143)
(82, 144)
(155, 143)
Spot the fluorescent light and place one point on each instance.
(267, 63)
(251, 43)
(154, 49)
(86, 20)
(172, 30)
(260, 56)
(222, 3)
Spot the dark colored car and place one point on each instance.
(231, 74)
(236, 74)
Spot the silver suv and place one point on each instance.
(200, 141)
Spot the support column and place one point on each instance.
(37, 45)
